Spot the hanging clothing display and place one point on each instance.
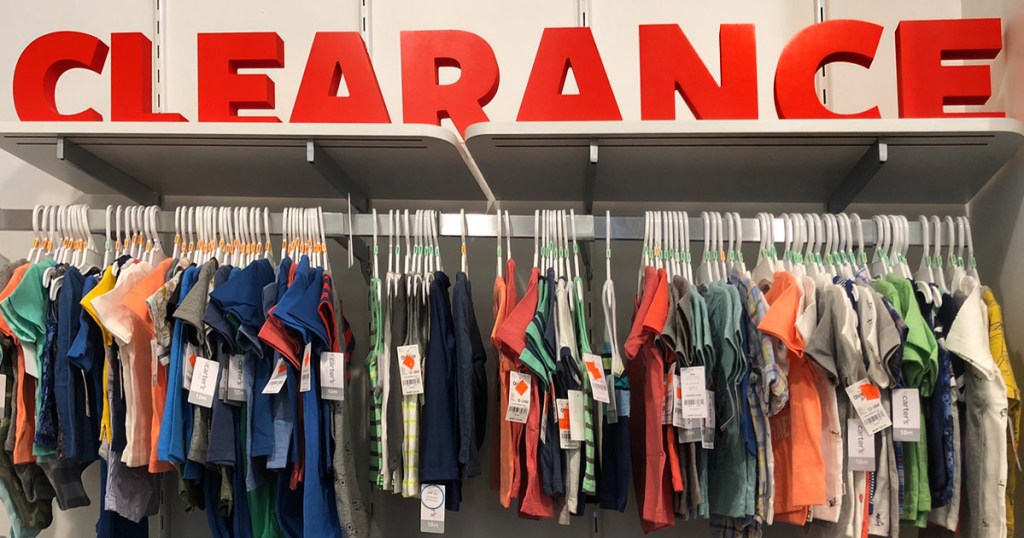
(817, 389)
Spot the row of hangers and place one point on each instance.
(812, 243)
(63, 234)
(554, 242)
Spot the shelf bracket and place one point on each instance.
(590, 181)
(859, 177)
(335, 175)
(361, 252)
(105, 172)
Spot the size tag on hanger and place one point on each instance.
(410, 367)
(576, 419)
(860, 446)
(31, 366)
(162, 354)
(565, 441)
(188, 367)
(707, 441)
(154, 366)
(3, 393)
(306, 374)
(432, 509)
(277, 379)
(693, 392)
(236, 378)
(544, 417)
(668, 402)
(518, 397)
(677, 403)
(204, 382)
(906, 416)
(867, 401)
(222, 386)
(332, 376)
(691, 432)
(598, 381)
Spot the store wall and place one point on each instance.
(513, 30)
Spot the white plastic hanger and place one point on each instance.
(704, 274)
(688, 256)
(536, 238)
(924, 270)
(972, 262)
(723, 272)
(676, 224)
(508, 237)
(435, 228)
(497, 267)
(795, 247)
(578, 281)
(879, 267)
(323, 239)
(765, 267)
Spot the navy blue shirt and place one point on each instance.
(438, 431)
(472, 378)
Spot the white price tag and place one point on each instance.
(906, 416)
(410, 366)
(277, 378)
(518, 397)
(305, 376)
(204, 382)
(432, 509)
(576, 418)
(598, 381)
(332, 376)
(860, 446)
(31, 366)
(707, 441)
(236, 378)
(565, 441)
(188, 366)
(693, 392)
(867, 401)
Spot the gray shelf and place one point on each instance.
(421, 162)
(929, 161)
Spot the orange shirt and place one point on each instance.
(501, 466)
(144, 379)
(796, 430)
(25, 399)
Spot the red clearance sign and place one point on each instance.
(668, 64)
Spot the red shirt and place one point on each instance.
(652, 469)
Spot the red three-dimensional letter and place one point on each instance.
(924, 85)
(424, 99)
(668, 63)
(814, 47)
(222, 90)
(131, 80)
(559, 50)
(40, 66)
(333, 55)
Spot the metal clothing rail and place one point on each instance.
(588, 227)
